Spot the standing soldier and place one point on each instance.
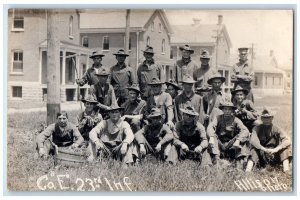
(202, 74)
(162, 100)
(103, 92)
(270, 144)
(147, 71)
(213, 99)
(185, 66)
(122, 76)
(188, 96)
(90, 76)
(228, 137)
(242, 73)
(172, 89)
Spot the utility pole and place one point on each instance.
(252, 53)
(53, 66)
(127, 32)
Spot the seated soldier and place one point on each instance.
(245, 108)
(134, 108)
(155, 138)
(64, 134)
(270, 144)
(190, 138)
(112, 137)
(89, 118)
(228, 136)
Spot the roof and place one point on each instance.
(197, 34)
(68, 45)
(266, 64)
(116, 19)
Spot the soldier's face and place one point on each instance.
(267, 120)
(156, 89)
(132, 95)
(227, 111)
(216, 84)
(89, 106)
(121, 59)
(155, 121)
(186, 53)
(188, 87)
(115, 115)
(97, 60)
(204, 61)
(239, 96)
(188, 118)
(243, 56)
(62, 120)
(171, 90)
(148, 56)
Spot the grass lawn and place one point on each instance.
(24, 173)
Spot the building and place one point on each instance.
(27, 54)
(105, 30)
(268, 77)
(213, 37)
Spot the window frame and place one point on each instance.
(82, 40)
(12, 92)
(160, 28)
(152, 26)
(163, 46)
(71, 31)
(13, 61)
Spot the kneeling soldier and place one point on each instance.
(64, 134)
(112, 137)
(228, 136)
(270, 144)
(190, 138)
(156, 137)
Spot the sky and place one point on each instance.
(266, 29)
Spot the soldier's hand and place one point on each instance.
(272, 151)
(158, 147)
(211, 141)
(206, 117)
(184, 147)
(142, 149)
(171, 125)
(198, 149)
(124, 148)
(236, 144)
(90, 121)
(99, 145)
(42, 152)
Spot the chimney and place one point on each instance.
(196, 21)
(220, 19)
(271, 53)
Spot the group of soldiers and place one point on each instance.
(130, 115)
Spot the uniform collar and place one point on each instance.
(113, 128)
(121, 66)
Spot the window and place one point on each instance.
(18, 23)
(273, 80)
(152, 26)
(148, 41)
(17, 92)
(159, 28)
(105, 43)
(266, 81)
(129, 47)
(85, 41)
(83, 68)
(171, 54)
(255, 81)
(163, 46)
(17, 61)
(71, 26)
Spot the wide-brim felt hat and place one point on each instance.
(239, 89)
(204, 88)
(115, 107)
(216, 76)
(155, 81)
(121, 52)
(155, 112)
(148, 49)
(227, 104)
(173, 83)
(187, 48)
(266, 113)
(97, 54)
(189, 110)
(134, 88)
(188, 79)
(205, 54)
(103, 71)
(243, 49)
(89, 99)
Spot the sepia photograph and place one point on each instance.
(150, 100)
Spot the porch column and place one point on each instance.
(63, 80)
